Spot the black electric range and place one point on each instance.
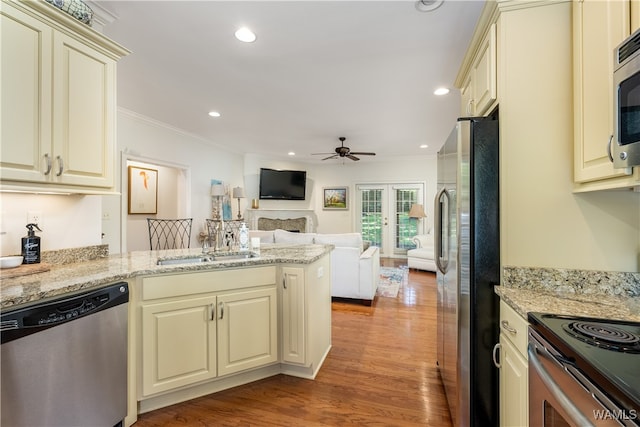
(606, 351)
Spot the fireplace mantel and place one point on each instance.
(252, 216)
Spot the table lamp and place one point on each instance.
(238, 193)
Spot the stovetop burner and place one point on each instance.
(604, 336)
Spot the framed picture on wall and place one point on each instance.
(334, 198)
(143, 190)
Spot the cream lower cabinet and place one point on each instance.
(178, 343)
(58, 101)
(598, 28)
(513, 365)
(305, 294)
(194, 328)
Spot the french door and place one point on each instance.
(383, 215)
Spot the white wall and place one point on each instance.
(159, 144)
(330, 174)
(67, 221)
(543, 223)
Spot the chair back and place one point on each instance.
(169, 233)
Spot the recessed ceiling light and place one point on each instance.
(291, 153)
(424, 146)
(441, 91)
(214, 114)
(245, 35)
(428, 5)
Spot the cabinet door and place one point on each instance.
(293, 315)
(247, 330)
(25, 121)
(84, 108)
(599, 26)
(466, 98)
(484, 81)
(178, 343)
(514, 383)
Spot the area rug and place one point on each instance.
(391, 280)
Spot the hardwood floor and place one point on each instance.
(381, 371)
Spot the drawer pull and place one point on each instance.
(505, 325)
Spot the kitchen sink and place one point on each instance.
(206, 258)
(231, 257)
(189, 260)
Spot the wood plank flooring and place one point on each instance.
(381, 371)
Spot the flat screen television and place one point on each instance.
(282, 184)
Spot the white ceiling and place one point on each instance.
(319, 70)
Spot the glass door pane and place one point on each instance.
(384, 216)
(405, 227)
(371, 215)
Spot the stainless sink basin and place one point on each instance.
(207, 258)
(190, 260)
(231, 257)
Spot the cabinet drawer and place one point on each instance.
(173, 285)
(514, 327)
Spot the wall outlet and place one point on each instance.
(34, 217)
(320, 272)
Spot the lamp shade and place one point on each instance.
(238, 193)
(417, 211)
(217, 190)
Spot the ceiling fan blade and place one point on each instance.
(330, 157)
(364, 154)
(320, 154)
(352, 157)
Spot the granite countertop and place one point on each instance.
(78, 276)
(602, 295)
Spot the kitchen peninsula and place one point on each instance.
(199, 327)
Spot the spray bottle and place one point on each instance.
(31, 246)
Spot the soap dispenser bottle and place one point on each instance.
(31, 246)
(244, 237)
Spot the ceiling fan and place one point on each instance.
(343, 151)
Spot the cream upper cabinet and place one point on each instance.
(598, 27)
(479, 88)
(58, 102)
(514, 380)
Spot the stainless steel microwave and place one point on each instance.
(624, 149)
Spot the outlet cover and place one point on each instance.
(34, 217)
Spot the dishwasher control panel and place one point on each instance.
(17, 323)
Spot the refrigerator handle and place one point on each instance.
(440, 263)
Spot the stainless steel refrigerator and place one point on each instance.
(467, 246)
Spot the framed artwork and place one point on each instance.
(334, 198)
(143, 190)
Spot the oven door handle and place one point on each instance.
(572, 411)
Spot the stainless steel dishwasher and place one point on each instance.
(64, 361)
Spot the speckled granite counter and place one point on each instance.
(572, 292)
(74, 277)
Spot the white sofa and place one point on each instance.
(422, 257)
(354, 272)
